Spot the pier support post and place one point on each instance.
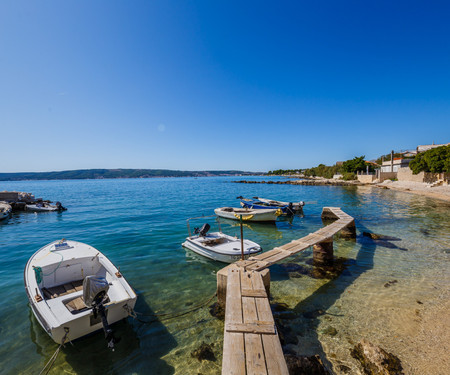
(222, 277)
(349, 231)
(323, 253)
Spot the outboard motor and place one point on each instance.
(204, 229)
(290, 209)
(60, 206)
(95, 291)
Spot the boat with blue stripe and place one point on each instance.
(288, 208)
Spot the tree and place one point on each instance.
(354, 165)
(436, 160)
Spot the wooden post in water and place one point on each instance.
(349, 231)
(242, 240)
(323, 253)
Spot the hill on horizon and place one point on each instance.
(82, 174)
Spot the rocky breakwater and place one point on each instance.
(313, 182)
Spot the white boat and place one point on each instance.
(220, 246)
(74, 290)
(5, 210)
(44, 207)
(248, 214)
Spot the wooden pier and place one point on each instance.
(251, 345)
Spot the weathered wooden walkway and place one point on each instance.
(251, 344)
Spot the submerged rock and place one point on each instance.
(375, 236)
(303, 365)
(204, 352)
(389, 283)
(313, 314)
(383, 241)
(375, 360)
(281, 306)
(331, 331)
(345, 369)
(285, 334)
(294, 267)
(217, 311)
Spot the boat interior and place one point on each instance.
(214, 241)
(63, 282)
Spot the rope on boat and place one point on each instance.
(38, 270)
(52, 359)
(165, 316)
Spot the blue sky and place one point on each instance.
(197, 85)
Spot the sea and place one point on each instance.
(140, 225)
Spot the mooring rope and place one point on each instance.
(165, 316)
(52, 359)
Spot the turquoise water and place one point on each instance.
(139, 224)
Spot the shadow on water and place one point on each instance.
(139, 350)
(311, 308)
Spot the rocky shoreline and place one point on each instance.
(418, 188)
(312, 182)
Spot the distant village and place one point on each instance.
(397, 167)
(394, 166)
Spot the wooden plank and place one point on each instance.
(255, 293)
(275, 362)
(259, 261)
(261, 328)
(279, 256)
(254, 352)
(57, 291)
(265, 255)
(233, 362)
(259, 266)
(78, 285)
(69, 288)
(296, 246)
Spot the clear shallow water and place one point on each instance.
(140, 225)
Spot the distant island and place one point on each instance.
(82, 174)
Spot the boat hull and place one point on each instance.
(263, 215)
(52, 313)
(34, 208)
(250, 248)
(5, 211)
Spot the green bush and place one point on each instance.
(436, 160)
(347, 176)
(322, 170)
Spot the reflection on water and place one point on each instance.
(139, 225)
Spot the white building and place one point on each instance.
(422, 148)
(394, 165)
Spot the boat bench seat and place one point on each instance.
(76, 305)
(62, 290)
(215, 241)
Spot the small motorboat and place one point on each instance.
(44, 207)
(5, 210)
(288, 208)
(248, 214)
(75, 290)
(219, 246)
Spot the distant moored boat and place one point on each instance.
(220, 246)
(248, 214)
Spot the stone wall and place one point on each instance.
(382, 176)
(366, 178)
(405, 174)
